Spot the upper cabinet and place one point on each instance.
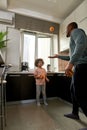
(80, 12)
(80, 16)
(64, 41)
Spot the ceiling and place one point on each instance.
(50, 10)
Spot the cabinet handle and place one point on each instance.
(14, 75)
(30, 75)
(50, 75)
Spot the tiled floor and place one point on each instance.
(31, 117)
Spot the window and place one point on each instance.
(37, 45)
(29, 50)
(44, 47)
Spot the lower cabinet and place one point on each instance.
(22, 87)
(28, 87)
(13, 87)
(63, 88)
(51, 87)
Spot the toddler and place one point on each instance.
(41, 78)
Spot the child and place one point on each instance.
(41, 78)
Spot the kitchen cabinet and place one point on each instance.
(63, 88)
(79, 15)
(13, 87)
(80, 12)
(51, 86)
(64, 41)
(22, 87)
(28, 87)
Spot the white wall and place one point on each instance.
(13, 49)
(11, 53)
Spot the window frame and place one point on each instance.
(38, 35)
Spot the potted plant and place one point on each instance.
(2, 39)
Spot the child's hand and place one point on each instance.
(41, 76)
(47, 80)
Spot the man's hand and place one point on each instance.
(55, 56)
(68, 70)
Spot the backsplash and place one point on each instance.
(62, 63)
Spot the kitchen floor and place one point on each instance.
(29, 116)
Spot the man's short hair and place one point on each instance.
(73, 24)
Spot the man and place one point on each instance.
(78, 61)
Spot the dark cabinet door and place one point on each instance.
(20, 87)
(28, 88)
(51, 87)
(13, 87)
(63, 87)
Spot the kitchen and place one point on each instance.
(22, 24)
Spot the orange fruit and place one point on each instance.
(51, 29)
(70, 73)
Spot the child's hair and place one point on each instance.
(37, 61)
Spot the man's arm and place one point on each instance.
(67, 58)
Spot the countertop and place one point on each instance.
(31, 73)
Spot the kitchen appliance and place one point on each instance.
(24, 66)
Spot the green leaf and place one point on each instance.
(2, 39)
